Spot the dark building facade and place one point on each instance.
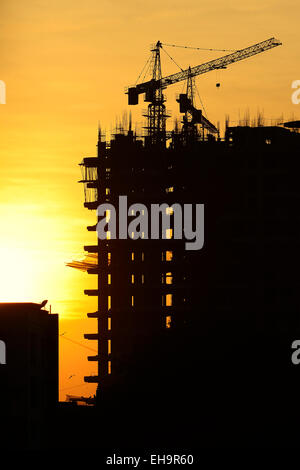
(200, 337)
(29, 378)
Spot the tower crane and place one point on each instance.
(153, 89)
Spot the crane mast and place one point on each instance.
(192, 116)
(156, 115)
(153, 88)
(189, 118)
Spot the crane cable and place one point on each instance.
(172, 59)
(73, 386)
(147, 63)
(205, 113)
(145, 68)
(200, 48)
(77, 343)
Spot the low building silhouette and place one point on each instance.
(29, 379)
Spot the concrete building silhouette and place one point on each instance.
(29, 379)
(185, 336)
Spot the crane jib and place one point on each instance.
(215, 64)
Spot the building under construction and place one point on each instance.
(186, 335)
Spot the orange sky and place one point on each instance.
(65, 64)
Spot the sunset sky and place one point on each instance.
(66, 64)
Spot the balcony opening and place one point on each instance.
(169, 233)
(167, 256)
(167, 278)
(169, 300)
